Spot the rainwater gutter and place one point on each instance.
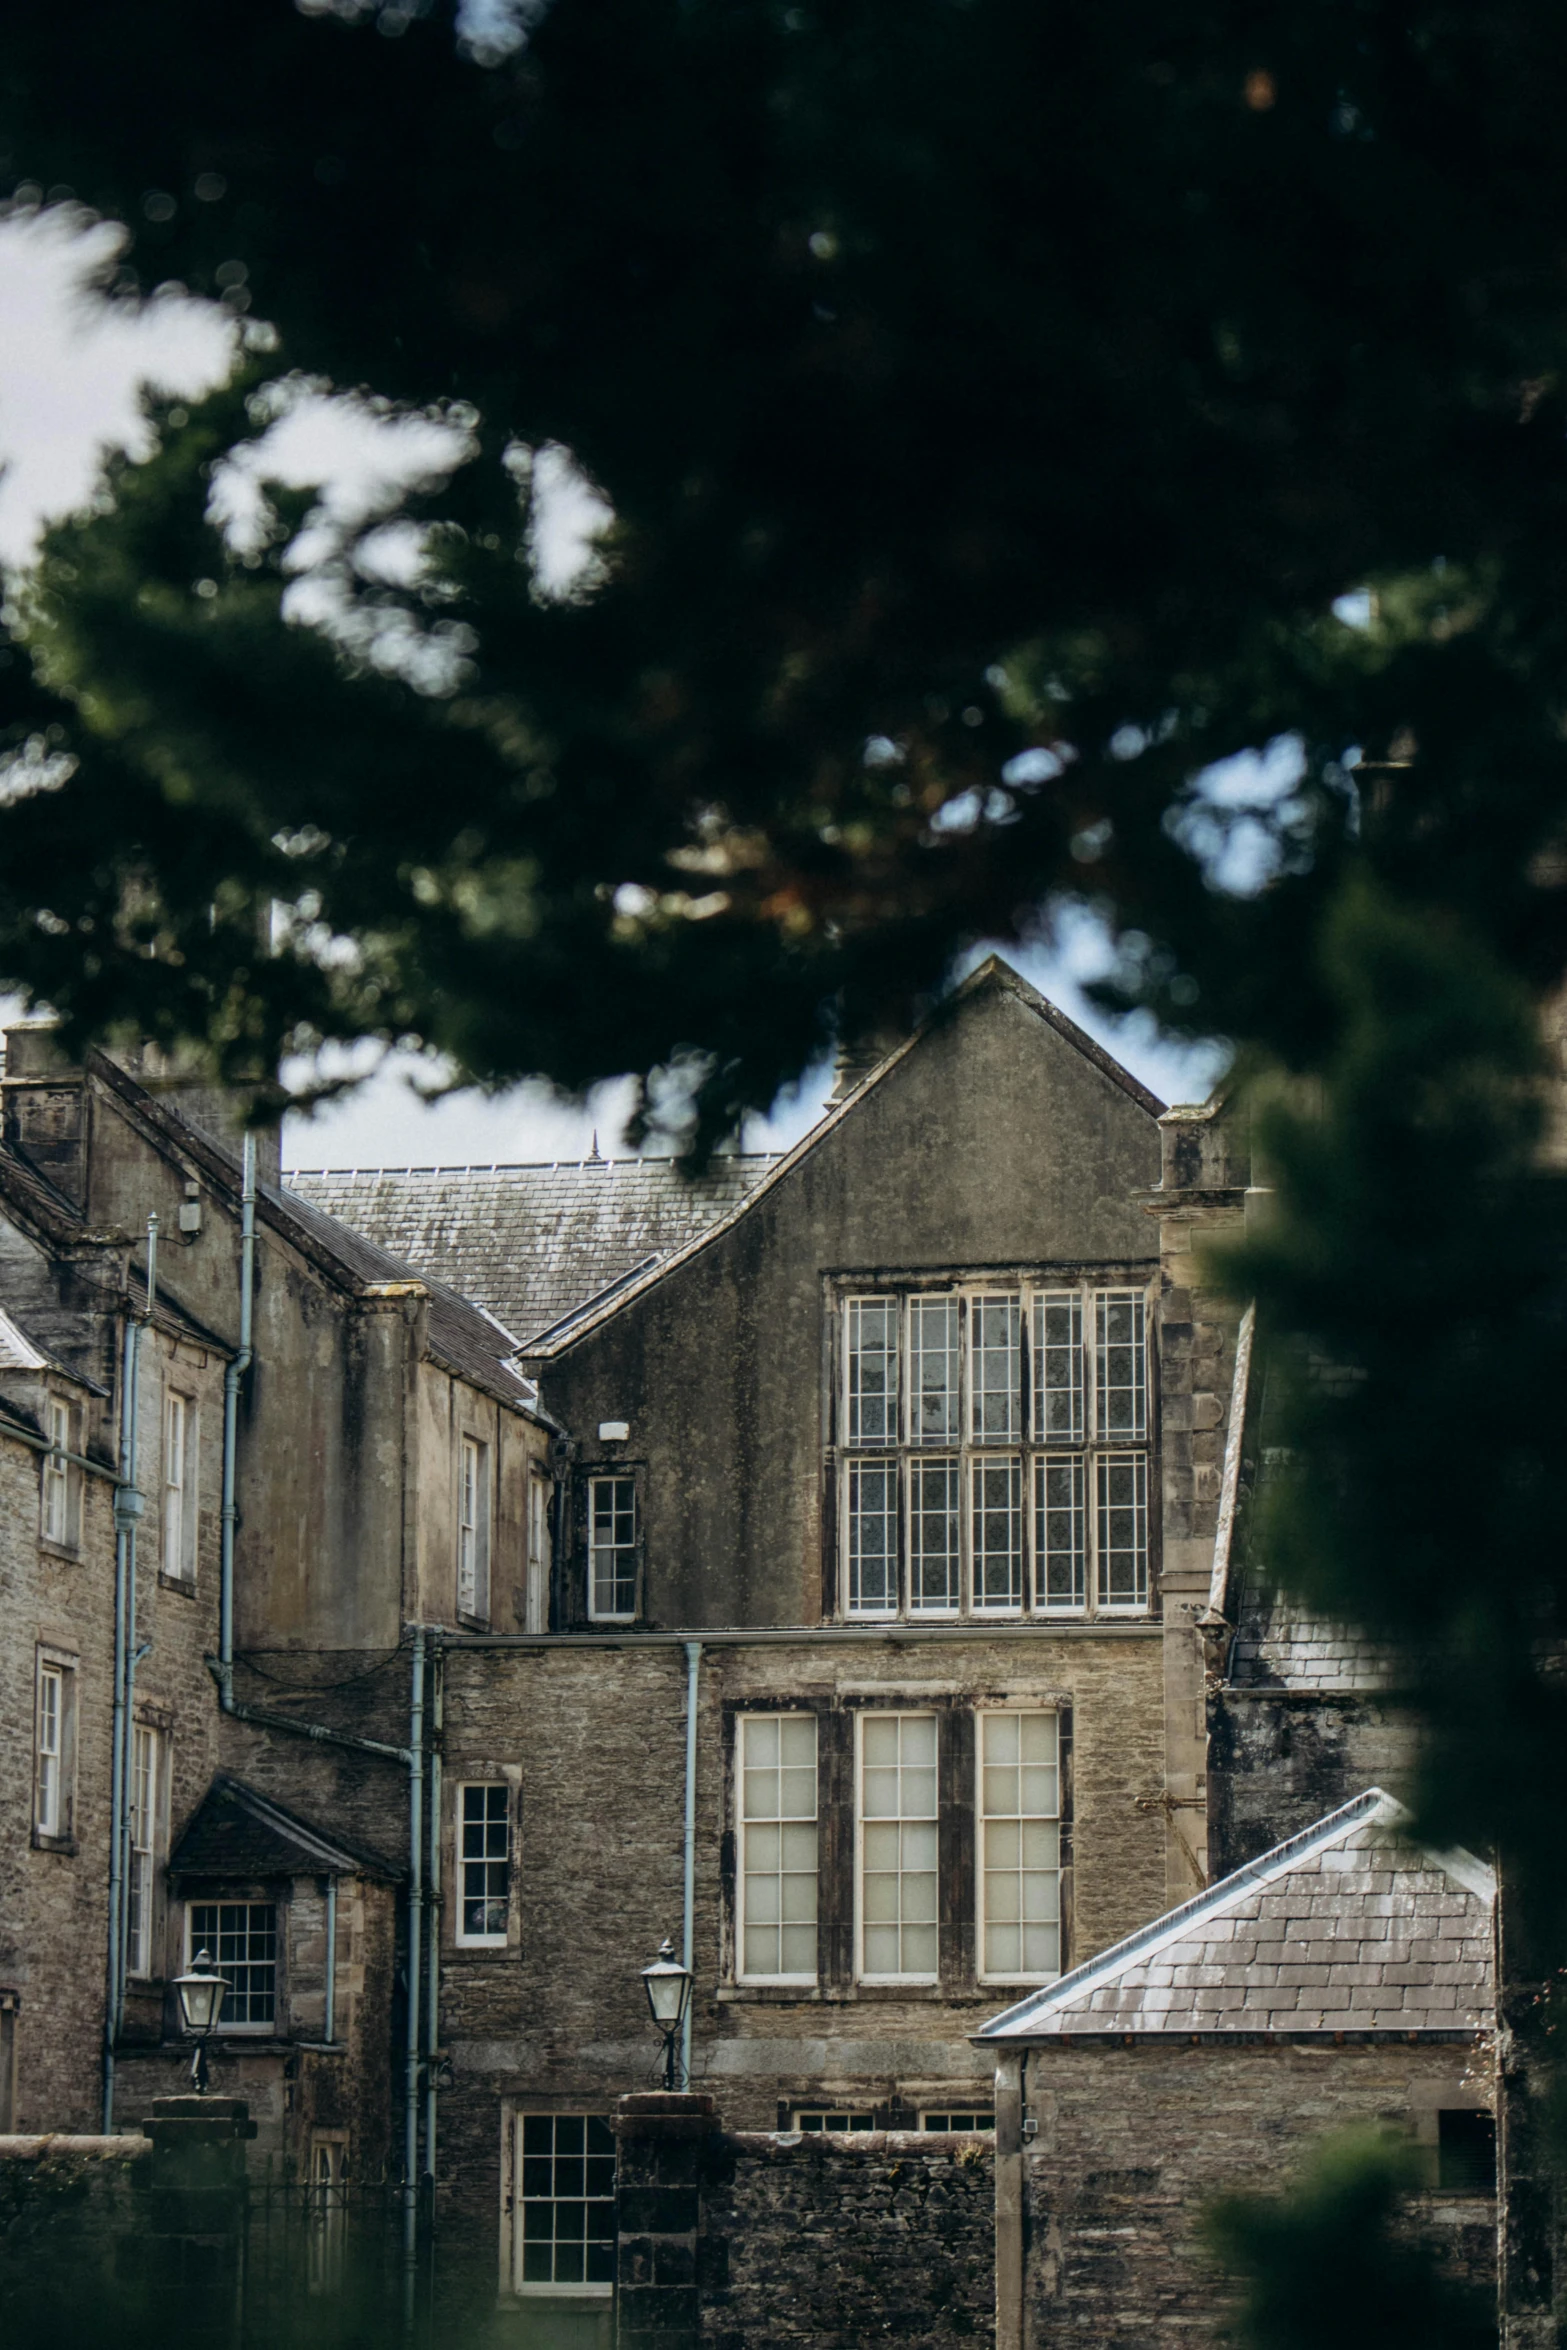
(693, 1650)
(235, 1371)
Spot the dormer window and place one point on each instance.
(991, 1450)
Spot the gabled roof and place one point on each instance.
(462, 1337)
(533, 1243)
(235, 1831)
(1347, 1927)
(992, 975)
(19, 1352)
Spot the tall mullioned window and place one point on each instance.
(1020, 1846)
(777, 1855)
(992, 1451)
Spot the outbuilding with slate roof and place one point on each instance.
(1345, 1978)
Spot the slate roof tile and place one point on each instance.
(1244, 1957)
(532, 1243)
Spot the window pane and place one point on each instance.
(873, 1536)
(143, 1827)
(612, 1537)
(1122, 1354)
(1058, 1367)
(998, 1534)
(51, 1720)
(1020, 1853)
(998, 1368)
(484, 1860)
(57, 1519)
(872, 1416)
(933, 1370)
(1060, 1534)
(934, 1557)
(567, 2235)
(778, 1846)
(898, 1854)
(1123, 1530)
(242, 1937)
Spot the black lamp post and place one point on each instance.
(201, 1995)
(668, 1986)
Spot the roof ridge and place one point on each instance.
(528, 1166)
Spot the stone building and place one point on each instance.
(873, 1668)
(236, 1492)
(1344, 1979)
(830, 1564)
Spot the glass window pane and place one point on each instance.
(1058, 1367)
(612, 1552)
(935, 1557)
(1122, 1530)
(997, 1534)
(1060, 1534)
(933, 1370)
(997, 1325)
(1020, 1856)
(1121, 1350)
(873, 1537)
(566, 2182)
(871, 1416)
(778, 1847)
(898, 1845)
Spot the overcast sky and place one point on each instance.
(69, 376)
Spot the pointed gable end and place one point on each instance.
(1348, 1927)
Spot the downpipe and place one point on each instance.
(129, 1507)
(414, 2003)
(693, 1671)
(235, 1371)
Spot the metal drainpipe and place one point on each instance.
(432, 1903)
(133, 1654)
(127, 1506)
(693, 1669)
(233, 1374)
(329, 2017)
(414, 2004)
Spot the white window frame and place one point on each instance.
(872, 1420)
(59, 1500)
(226, 2028)
(983, 1818)
(745, 1724)
(984, 1467)
(327, 2209)
(1074, 1317)
(537, 1597)
(473, 1529)
(916, 1515)
(54, 1697)
(864, 1717)
(629, 1550)
(463, 1860)
(181, 1458)
(855, 1468)
(553, 2289)
(144, 1816)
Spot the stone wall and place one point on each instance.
(1133, 2142)
(823, 2242)
(830, 2242)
